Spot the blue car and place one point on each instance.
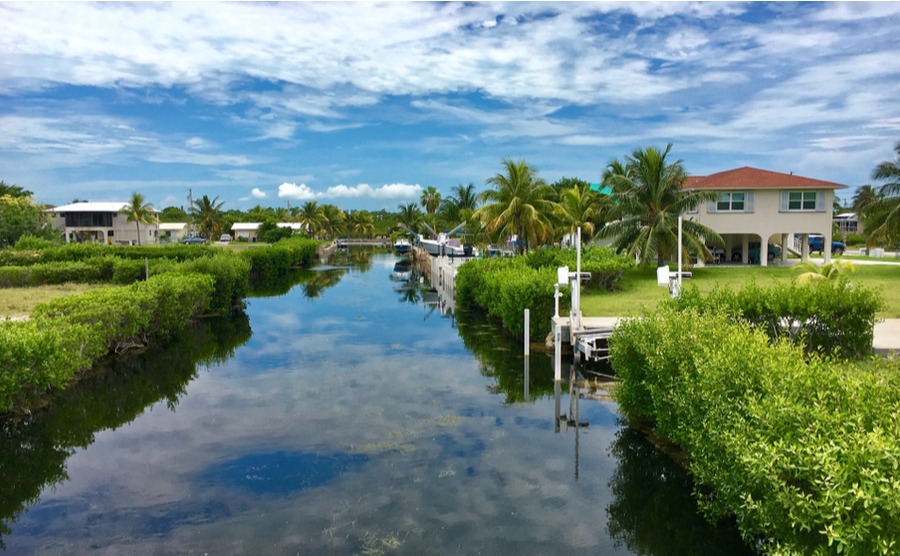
(817, 244)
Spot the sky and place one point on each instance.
(364, 105)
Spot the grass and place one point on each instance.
(638, 289)
(17, 303)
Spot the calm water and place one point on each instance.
(354, 418)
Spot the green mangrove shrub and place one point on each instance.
(230, 275)
(68, 334)
(282, 256)
(504, 288)
(826, 317)
(803, 451)
(50, 273)
(605, 265)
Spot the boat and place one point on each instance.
(402, 270)
(402, 246)
(443, 246)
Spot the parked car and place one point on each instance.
(753, 252)
(225, 238)
(194, 240)
(817, 243)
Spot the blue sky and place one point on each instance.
(363, 105)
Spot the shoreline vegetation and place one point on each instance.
(66, 336)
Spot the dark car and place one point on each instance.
(817, 243)
(194, 240)
(753, 253)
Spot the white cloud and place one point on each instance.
(296, 192)
(196, 143)
(258, 193)
(364, 190)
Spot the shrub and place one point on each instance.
(230, 278)
(802, 452)
(504, 288)
(31, 361)
(604, 264)
(34, 243)
(50, 273)
(280, 257)
(827, 317)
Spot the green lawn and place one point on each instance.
(638, 287)
(18, 302)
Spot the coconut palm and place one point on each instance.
(582, 207)
(864, 196)
(208, 213)
(360, 224)
(648, 199)
(882, 216)
(808, 271)
(313, 217)
(461, 204)
(409, 215)
(431, 199)
(333, 221)
(518, 204)
(140, 212)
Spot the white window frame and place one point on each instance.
(803, 201)
(727, 202)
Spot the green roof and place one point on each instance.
(602, 189)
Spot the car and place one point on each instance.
(817, 243)
(753, 252)
(194, 240)
(225, 238)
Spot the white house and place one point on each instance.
(245, 230)
(172, 232)
(766, 208)
(102, 222)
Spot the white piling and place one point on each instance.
(557, 352)
(527, 332)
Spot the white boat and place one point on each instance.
(442, 246)
(402, 246)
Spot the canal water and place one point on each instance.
(345, 412)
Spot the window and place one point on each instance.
(802, 200)
(730, 202)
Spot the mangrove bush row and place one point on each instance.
(829, 317)
(505, 287)
(803, 451)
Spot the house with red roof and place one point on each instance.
(759, 209)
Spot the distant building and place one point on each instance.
(172, 232)
(102, 222)
(247, 231)
(848, 223)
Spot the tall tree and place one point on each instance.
(582, 207)
(882, 216)
(139, 211)
(431, 199)
(22, 216)
(519, 204)
(13, 190)
(334, 221)
(360, 224)
(410, 216)
(312, 216)
(648, 198)
(865, 195)
(208, 216)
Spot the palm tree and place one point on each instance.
(648, 199)
(312, 215)
(360, 224)
(209, 216)
(582, 207)
(431, 199)
(865, 195)
(519, 204)
(808, 271)
(333, 221)
(140, 212)
(410, 216)
(461, 204)
(882, 216)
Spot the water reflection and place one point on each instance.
(312, 282)
(653, 511)
(33, 452)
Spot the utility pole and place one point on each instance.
(191, 212)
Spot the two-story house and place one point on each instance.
(102, 222)
(757, 209)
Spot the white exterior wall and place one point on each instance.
(123, 232)
(768, 223)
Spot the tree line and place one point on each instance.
(635, 206)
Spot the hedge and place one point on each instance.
(280, 257)
(504, 288)
(827, 317)
(605, 265)
(66, 335)
(74, 252)
(803, 451)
